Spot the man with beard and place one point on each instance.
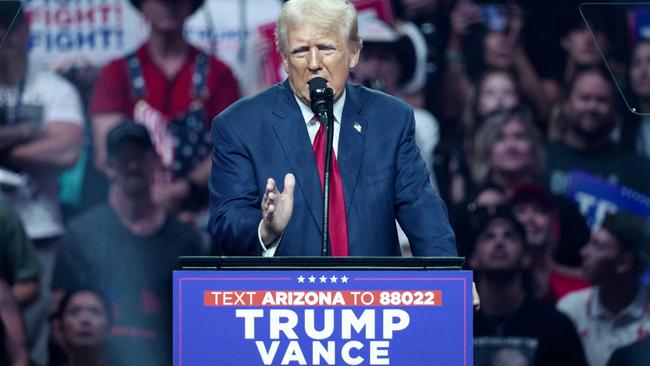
(586, 144)
(128, 249)
(510, 317)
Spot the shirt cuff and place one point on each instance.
(270, 250)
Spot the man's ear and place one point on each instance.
(285, 63)
(354, 56)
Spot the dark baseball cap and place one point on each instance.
(633, 232)
(483, 219)
(127, 131)
(532, 192)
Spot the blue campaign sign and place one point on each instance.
(321, 317)
(596, 197)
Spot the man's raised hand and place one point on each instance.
(276, 209)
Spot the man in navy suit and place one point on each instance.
(265, 187)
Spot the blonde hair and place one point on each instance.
(328, 16)
(488, 134)
(471, 121)
(470, 118)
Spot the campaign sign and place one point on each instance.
(322, 317)
(596, 197)
(82, 31)
(638, 20)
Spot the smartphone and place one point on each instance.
(495, 16)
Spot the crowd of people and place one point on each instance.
(510, 100)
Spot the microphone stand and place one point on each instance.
(322, 103)
(327, 118)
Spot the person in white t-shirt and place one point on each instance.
(41, 129)
(229, 29)
(616, 311)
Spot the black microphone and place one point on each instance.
(322, 104)
(322, 97)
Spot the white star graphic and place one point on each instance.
(344, 279)
(333, 279)
(323, 279)
(312, 279)
(301, 279)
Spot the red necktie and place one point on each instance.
(338, 229)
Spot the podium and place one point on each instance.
(322, 311)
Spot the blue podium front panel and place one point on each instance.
(321, 317)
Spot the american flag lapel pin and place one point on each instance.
(357, 127)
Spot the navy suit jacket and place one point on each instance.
(384, 177)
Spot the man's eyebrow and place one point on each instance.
(301, 48)
(326, 45)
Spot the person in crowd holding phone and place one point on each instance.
(487, 37)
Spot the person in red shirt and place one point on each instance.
(553, 276)
(173, 89)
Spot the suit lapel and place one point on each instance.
(351, 144)
(292, 135)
